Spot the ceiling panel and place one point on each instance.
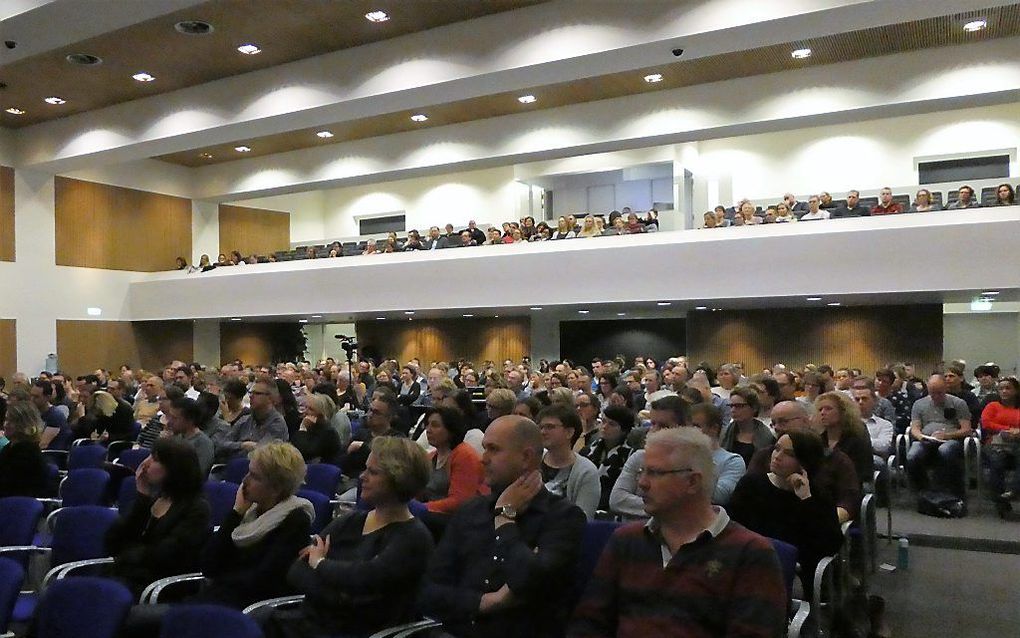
(286, 30)
(855, 45)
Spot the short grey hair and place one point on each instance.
(692, 447)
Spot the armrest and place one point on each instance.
(217, 469)
(800, 616)
(273, 603)
(409, 629)
(50, 501)
(62, 571)
(820, 572)
(14, 549)
(150, 595)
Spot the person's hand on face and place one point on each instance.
(800, 484)
(519, 493)
(142, 477)
(241, 502)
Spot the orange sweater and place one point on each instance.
(466, 480)
(997, 418)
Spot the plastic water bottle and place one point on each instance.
(903, 556)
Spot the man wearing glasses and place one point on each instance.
(710, 576)
(262, 425)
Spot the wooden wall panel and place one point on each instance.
(866, 337)
(83, 346)
(7, 247)
(101, 226)
(446, 339)
(253, 230)
(8, 348)
(249, 342)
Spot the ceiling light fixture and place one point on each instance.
(621, 314)
(467, 316)
(56, 101)
(243, 149)
(814, 299)
(15, 111)
(975, 25)
(664, 303)
(834, 303)
(324, 135)
(988, 293)
(302, 321)
(701, 307)
(801, 54)
(194, 27)
(377, 16)
(419, 117)
(653, 78)
(536, 308)
(408, 312)
(526, 99)
(249, 49)
(143, 77)
(316, 316)
(235, 318)
(84, 59)
(380, 318)
(94, 312)
(205, 155)
(583, 312)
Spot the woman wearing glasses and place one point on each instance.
(745, 434)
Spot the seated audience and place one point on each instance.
(880, 430)
(814, 211)
(409, 390)
(745, 434)
(781, 504)
(688, 571)
(987, 377)
(109, 420)
(886, 205)
(611, 451)
(564, 472)
(588, 411)
(232, 408)
(563, 230)
(852, 208)
(1004, 196)
(841, 428)
(938, 424)
(160, 422)
(183, 421)
(163, 532)
(316, 438)
(965, 199)
(956, 386)
(1000, 421)
(56, 433)
(515, 582)
(147, 403)
(362, 572)
(381, 420)
(23, 470)
(923, 202)
(729, 466)
(456, 467)
(286, 404)
(261, 425)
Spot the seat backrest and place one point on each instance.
(220, 495)
(323, 510)
(322, 478)
(84, 607)
(133, 458)
(83, 456)
(12, 575)
(126, 494)
(787, 554)
(236, 470)
(207, 621)
(593, 541)
(79, 533)
(19, 517)
(86, 486)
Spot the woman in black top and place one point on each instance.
(23, 470)
(163, 532)
(288, 406)
(316, 438)
(363, 571)
(409, 389)
(845, 431)
(611, 451)
(784, 505)
(745, 434)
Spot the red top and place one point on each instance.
(997, 418)
(466, 479)
(893, 207)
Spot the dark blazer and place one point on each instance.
(238, 577)
(23, 470)
(319, 443)
(119, 425)
(410, 397)
(146, 549)
(845, 211)
(536, 557)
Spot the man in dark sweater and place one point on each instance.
(506, 562)
(852, 208)
(688, 571)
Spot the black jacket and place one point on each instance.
(23, 470)
(536, 557)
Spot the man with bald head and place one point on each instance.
(938, 424)
(505, 565)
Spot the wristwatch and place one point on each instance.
(508, 512)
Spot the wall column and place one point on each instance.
(207, 342)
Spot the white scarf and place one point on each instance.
(254, 527)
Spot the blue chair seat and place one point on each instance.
(24, 609)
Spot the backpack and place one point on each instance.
(941, 505)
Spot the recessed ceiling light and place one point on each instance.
(56, 101)
(621, 314)
(143, 77)
(205, 155)
(316, 316)
(243, 149)
(84, 59)
(249, 49)
(194, 27)
(15, 111)
(380, 318)
(583, 312)
(975, 25)
(235, 318)
(419, 117)
(324, 135)
(302, 321)
(495, 316)
(467, 316)
(408, 312)
(536, 308)
(526, 99)
(814, 299)
(833, 303)
(701, 307)
(800, 54)
(377, 16)
(664, 303)
(989, 292)
(653, 78)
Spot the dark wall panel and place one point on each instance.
(581, 341)
(83, 346)
(477, 340)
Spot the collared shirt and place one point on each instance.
(719, 523)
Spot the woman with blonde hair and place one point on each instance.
(563, 230)
(588, 228)
(22, 466)
(316, 438)
(841, 428)
(111, 419)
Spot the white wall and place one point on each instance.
(321, 343)
(980, 337)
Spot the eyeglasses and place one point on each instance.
(738, 405)
(653, 473)
(259, 392)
